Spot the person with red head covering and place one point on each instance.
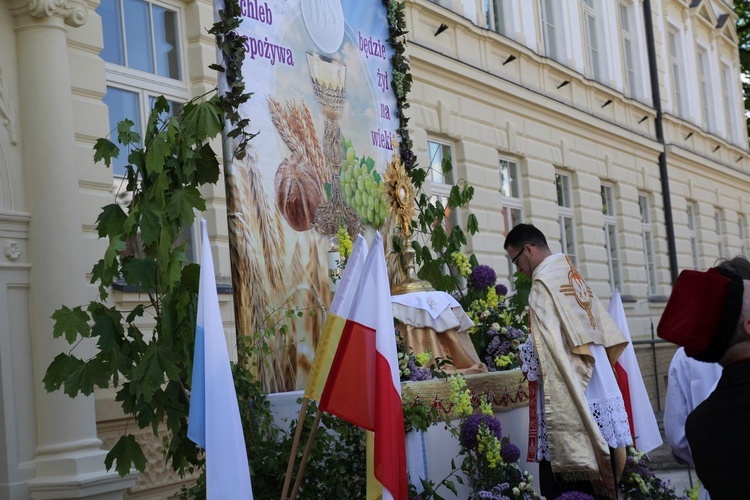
(708, 313)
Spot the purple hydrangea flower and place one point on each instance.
(575, 495)
(514, 333)
(470, 429)
(482, 277)
(495, 493)
(501, 290)
(510, 453)
(418, 373)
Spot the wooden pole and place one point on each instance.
(306, 454)
(295, 445)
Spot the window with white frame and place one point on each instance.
(742, 233)
(675, 69)
(648, 243)
(629, 47)
(143, 53)
(565, 216)
(498, 16)
(726, 77)
(144, 57)
(442, 180)
(693, 235)
(512, 202)
(594, 60)
(551, 29)
(719, 228)
(704, 87)
(611, 242)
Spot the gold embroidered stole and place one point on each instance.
(565, 317)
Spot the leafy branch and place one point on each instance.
(151, 370)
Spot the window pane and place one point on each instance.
(648, 251)
(568, 247)
(643, 206)
(515, 217)
(109, 10)
(562, 183)
(165, 41)
(624, 19)
(593, 46)
(122, 104)
(548, 28)
(138, 35)
(440, 163)
(509, 186)
(607, 201)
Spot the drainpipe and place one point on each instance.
(668, 221)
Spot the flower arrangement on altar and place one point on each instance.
(500, 321)
(490, 461)
(639, 483)
(413, 367)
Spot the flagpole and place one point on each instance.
(306, 454)
(295, 445)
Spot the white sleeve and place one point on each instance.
(678, 406)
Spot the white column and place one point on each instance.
(69, 463)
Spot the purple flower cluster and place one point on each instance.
(482, 277)
(470, 429)
(496, 493)
(501, 290)
(418, 373)
(500, 344)
(510, 453)
(575, 495)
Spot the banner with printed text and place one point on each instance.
(325, 113)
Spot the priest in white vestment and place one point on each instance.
(578, 423)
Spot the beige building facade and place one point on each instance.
(546, 107)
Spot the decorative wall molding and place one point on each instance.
(8, 111)
(12, 250)
(74, 12)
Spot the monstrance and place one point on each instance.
(400, 192)
(329, 84)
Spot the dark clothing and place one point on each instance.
(552, 487)
(718, 432)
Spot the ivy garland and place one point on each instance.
(433, 259)
(401, 76)
(233, 54)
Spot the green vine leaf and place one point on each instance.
(202, 120)
(182, 203)
(71, 323)
(57, 372)
(151, 224)
(149, 375)
(105, 150)
(157, 153)
(140, 273)
(110, 221)
(125, 134)
(84, 376)
(125, 452)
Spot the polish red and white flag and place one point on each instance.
(363, 385)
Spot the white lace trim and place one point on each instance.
(530, 367)
(529, 360)
(612, 419)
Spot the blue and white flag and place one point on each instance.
(214, 420)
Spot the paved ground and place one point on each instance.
(680, 478)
